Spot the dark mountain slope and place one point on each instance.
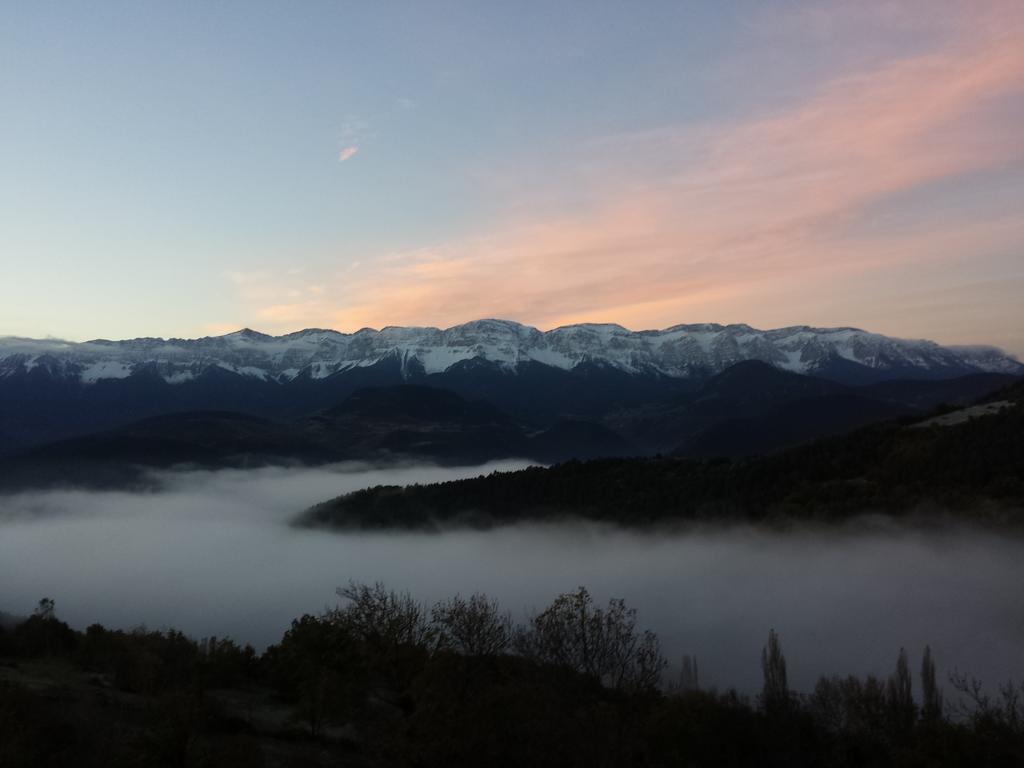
(40, 406)
(374, 424)
(789, 424)
(926, 395)
(752, 381)
(972, 469)
(543, 395)
(37, 406)
(418, 421)
(581, 440)
(48, 396)
(120, 458)
(751, 408)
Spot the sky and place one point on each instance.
(188, 169)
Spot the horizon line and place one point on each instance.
(370, 329)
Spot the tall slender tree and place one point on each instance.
(688, 680)
(775, 693)
(900, 696)
(931, 694)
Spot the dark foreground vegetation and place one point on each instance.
(973, 469)
(384, 681)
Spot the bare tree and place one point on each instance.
(1007, 710)
(473, 627)
(605, 644)
(383, 617)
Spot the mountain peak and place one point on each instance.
(248, 334)
(693, 351)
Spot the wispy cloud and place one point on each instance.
(347, 153)
(737, 221)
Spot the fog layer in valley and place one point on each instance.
(212, 554)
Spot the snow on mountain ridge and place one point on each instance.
(678, 351)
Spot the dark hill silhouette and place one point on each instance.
(755, 381)
(408, 403)
(376, 424)
(749, 409)
(971, 469)
(752, 408)
(929, 394)
(573, 439)
(789, 424)
(418, 421)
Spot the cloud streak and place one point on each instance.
(738, 221)
(347, 153)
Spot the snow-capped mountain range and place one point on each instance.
(682, 351)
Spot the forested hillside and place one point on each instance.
(973, 469)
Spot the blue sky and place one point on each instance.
(177, 168)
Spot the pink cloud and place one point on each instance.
(738, 221)
(347, 153)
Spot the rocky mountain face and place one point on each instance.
(682, 351)
(51, 389)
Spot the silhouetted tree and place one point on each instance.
(383, 617)
(461, 701)
(1003, 713)
(688, 680)
(899, 697)
(473, 627)
(392, 631)
(604, 644)
(46, 609)
(318, 668)
(931, 694)
(775, 691)
(42, 634)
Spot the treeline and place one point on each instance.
(385, 681)
(974, 469)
